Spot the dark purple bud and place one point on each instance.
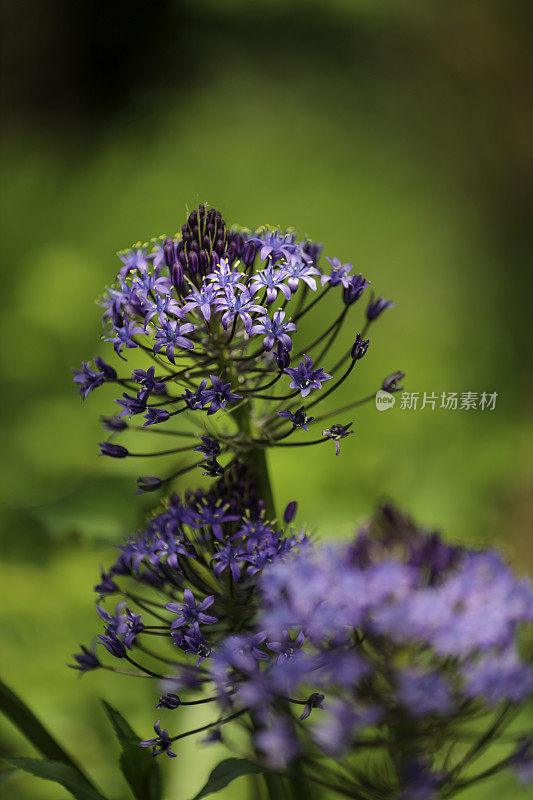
(193, 262)
(232, 251)
(359, 348)
(204, 261)
(86, 660)
(239, 244)
(390, 384)
(113, 450)
(113, 424)
(283, 357)
(194, 246)
(205, 243)
(290, 511)
(185, 230)
(193, 218)
(211, 230)
(169, 251)
(377, 307)
(148, 483)
(219, 246)
(248, 253)
(215, 261)
(176, 274)
(195, 231)
(354, 288)
(169, 701)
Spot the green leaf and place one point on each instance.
(137, 764)
(226, 772)
(26, 721)
(57, 771)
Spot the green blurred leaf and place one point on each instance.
(69, 777)
(138, 766)
(26, 721)
(5, 773)
(226, 772)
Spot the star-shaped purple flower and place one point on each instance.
(170, 336)
(190, 611)
(219, 395)
(274, 330)
(305, 378)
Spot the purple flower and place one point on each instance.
(155, 416)
(190, 611)
(288, 648)
(290, 511)
(228, 557)
(161, 743)
(376, 307)
(87, 660)
(359, 348)
(210, 447)
(498, 677)
(133, 405)
(194, 643)
(212, 516)
(354, 286)
(87, 379)
(274, 330)
(299, 419)
(423, 693)
(278, 743)
(297, 270)
(161, 306)
(305, 378)
(107, 585)
(202, 298)
(170, 336)
(522, 761)
(224, 277)
(419, 782)
(270, 280)
(112, 644)
(339, 272)
(238, 305)
(274, 244)
(124, 336)
(198, 399)
(148, 381)
(134, 259)
(219, 395)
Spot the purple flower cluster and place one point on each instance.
(389, 645)
(203, 556)
(218, 310)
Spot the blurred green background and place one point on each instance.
(399, 135)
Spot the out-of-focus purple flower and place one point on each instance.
(113, 450)
(376, 307)
(522, 761)
(305, 378)
(290, 511)
(86, 661)
(278, 742)
(497, 677)
(287, 648)
(424, 692)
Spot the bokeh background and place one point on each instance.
(398, 134)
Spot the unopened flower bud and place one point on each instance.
(113, 450)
